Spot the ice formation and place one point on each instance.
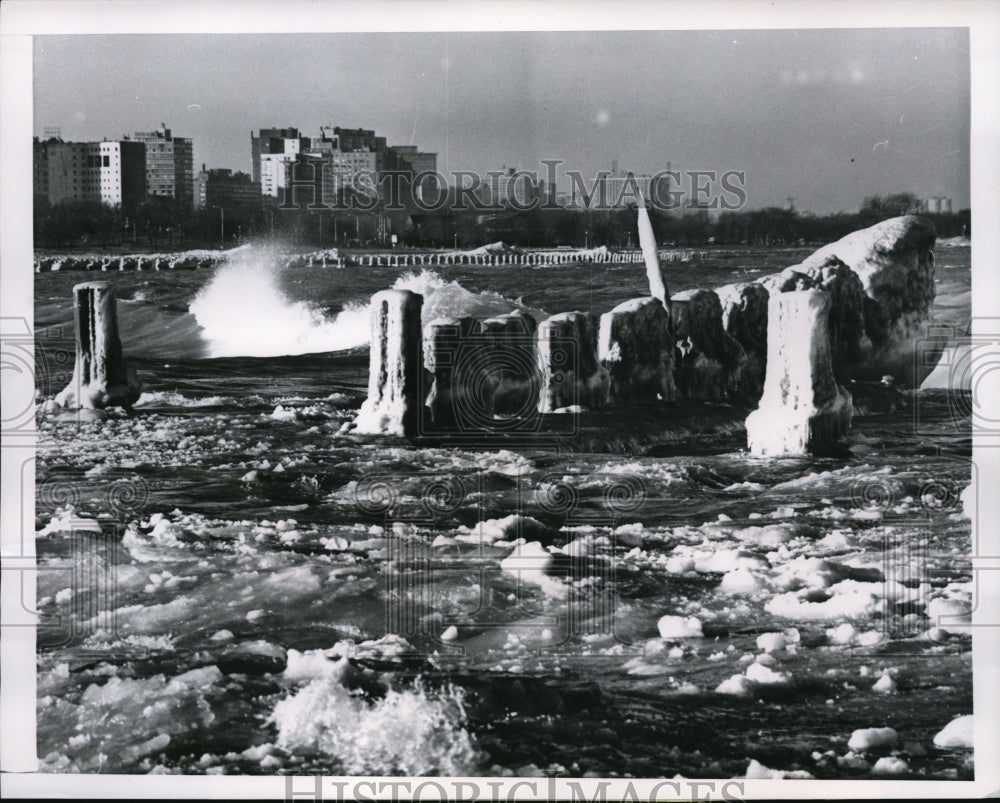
(569, 370)
(802, 408)
(458, 381)
(101, 375)
(650, 255)
(708, 361)
(394, 383)
(635, 346)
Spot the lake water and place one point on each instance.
(230, 585)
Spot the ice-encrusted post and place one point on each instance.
(454, 365)
(568, 366)
(651, 256)
(708, 362)
(636, 348)
(802, 409)
(510, 372)
(396, 360)
(101, 375)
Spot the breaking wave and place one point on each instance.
(243, 312)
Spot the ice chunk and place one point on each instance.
(737, 685)
(890, 765)
(872, 738)
(758, 770)
(740, 581)
(957, 733)
(771, 642)
(758, 673)
(407, 732)
(672, 627)
(885, 684)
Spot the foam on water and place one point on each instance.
(406, 732)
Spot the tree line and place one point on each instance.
(160, 223)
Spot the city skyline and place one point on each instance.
(824, 116)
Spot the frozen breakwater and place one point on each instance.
(497, 255)
(789, 341)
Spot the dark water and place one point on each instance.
(233, 586)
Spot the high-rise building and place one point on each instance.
(113, 173)
(420, 166)
(349, 158)
(341, 171)
(937, 205)
(272, 149)
(169, 164)
(220, 187)
(362, 139)
(509, 187)
(619, 189)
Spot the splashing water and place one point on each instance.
(407, 732)
(244, 313)
(449, 299)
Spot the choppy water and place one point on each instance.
(231, 586)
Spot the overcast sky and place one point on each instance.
(823, 116)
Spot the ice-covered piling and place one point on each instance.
(849, 342)
(460, 393)
(708, 361)
(396, 361)
(101, 375)
(569, 370)
(636, 348)
(510, 374)
(802, 409)
(744, 318)
(894, 260)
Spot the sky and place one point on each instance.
(824, 116)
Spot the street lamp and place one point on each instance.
(222, 222)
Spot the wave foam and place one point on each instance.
(406, 732)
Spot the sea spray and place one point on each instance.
(245, 313)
